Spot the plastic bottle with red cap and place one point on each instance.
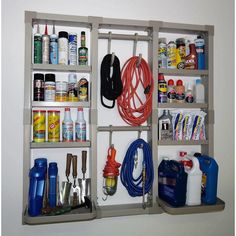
(80, 126)
(67, 126)
(171, 94)
(180, 89)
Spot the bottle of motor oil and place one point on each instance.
(67, 126)
(53, 47)
(45, 46)
(37, 47)
(193, 196)
(83, 90)
(162, 89)
(162, 53)
(171, 55)
(171, 94)
(191, 59)
(83, 51)
(200, 48)
(52, 177)
(172, 182)
(80, 126)
(209, 170)
(180, 90)
(180, 53)
(165, 126)
(37, 181)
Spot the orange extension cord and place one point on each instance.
(132, 109)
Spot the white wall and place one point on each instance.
(218, 13)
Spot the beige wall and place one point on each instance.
(182, 11)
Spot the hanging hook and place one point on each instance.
(109, 43)
(139, 134)
(104, 199)
(112, 58)
(139, 59)
(135, 44)
(110, 136)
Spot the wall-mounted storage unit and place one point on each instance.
(98, 28)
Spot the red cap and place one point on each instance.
(171, 82)
(182, 154)
(179, 82)
(161, 77)
(80, 108)
(67, 109)
(46, 30)
(39, 110)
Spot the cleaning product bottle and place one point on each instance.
(180, 89)
(37, 182)
(162, 89)
(67, 126)
(200, 44)
(209, 170)
(191, 59)
(52, 177)
(165, 126)
(193, 195)
(189, 94)
(184, 160)
(172, 182)
(199, 92)
(171, 94)
(162, 53)
(80, 126)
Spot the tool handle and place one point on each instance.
(74, 164)
(84, 160)
(68, 164)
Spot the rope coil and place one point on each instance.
(133, 110)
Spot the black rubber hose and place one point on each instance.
(111, 87)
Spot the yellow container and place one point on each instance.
(53, 126)
(39, 126)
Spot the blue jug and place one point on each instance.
(36, 186)
(52, 176)
(209, 170)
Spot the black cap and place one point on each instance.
(39, 76)
(49, 77)
(82, 32)
(63, 34)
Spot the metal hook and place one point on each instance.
(104, 199)
(110, 136)
(109, 43)
(112, 58)
(135, 44)
(139, 59)
(139, 134)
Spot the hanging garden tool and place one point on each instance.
(76, 192)
(111, 85)
(110, 172)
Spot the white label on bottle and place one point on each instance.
(80, 131)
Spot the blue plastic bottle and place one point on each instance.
(199, 44)
(209, 170)
(36, 186)
(52, 176)
(172, 182)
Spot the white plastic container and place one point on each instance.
(80, 126)
(193, 196)
(199, 92)
(67, 127)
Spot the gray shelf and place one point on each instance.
(34, 145)
(187, 142)
(183, 105)
(203, 208)
(60, 104)
(75, 215)
(61, 68)
(176, 72)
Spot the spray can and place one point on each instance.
(72, 88)
(180, 53)
(200, 44)
(83, 90)
(72, 48)
(162, 53)
(171, 55)
(50, 88)
(162, 89)
(45, 46)
(63, 48)
(38, 87)
(53, 47)
(37, 47)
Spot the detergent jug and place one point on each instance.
(172, 182)
(209, 170)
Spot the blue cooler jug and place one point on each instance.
(36, 186)
(52, 176)
(172, 182)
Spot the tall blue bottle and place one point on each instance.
(36, 186)
(200, 49)
(209, 170)
(52, 176)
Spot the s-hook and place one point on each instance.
(109, 49)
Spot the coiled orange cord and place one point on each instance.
(133, 110)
